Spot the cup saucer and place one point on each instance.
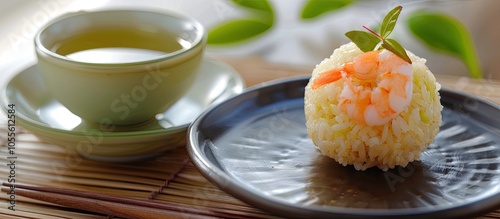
(38, 112)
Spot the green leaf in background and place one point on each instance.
(364, 40)
(261, 5)
(236, 31)
(389, 21)
(314, 8)
(444, 33)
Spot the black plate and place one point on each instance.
(255, 147)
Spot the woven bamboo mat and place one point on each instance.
(168, 179)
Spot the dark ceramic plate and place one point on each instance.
(255, 147)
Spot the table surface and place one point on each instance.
(169, 179)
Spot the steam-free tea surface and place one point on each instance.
(119, 45)
(115, 55)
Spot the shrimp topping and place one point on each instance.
(378, 85)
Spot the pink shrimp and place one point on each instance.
(377, 86)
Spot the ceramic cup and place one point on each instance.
(135, 64)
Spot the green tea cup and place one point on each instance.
(119, 67)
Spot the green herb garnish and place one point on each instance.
(368, 41)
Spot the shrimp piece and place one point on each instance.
(378, 85)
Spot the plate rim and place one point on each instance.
(229, 184)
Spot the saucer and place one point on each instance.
(38, 112)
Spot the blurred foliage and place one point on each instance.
(444, 33)
(315, 8)
(438, 31)
(235, 31)
(262, 5)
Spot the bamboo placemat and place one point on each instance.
(168, 179)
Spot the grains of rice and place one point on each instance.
(395, 143)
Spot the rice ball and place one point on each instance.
(339, 114)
